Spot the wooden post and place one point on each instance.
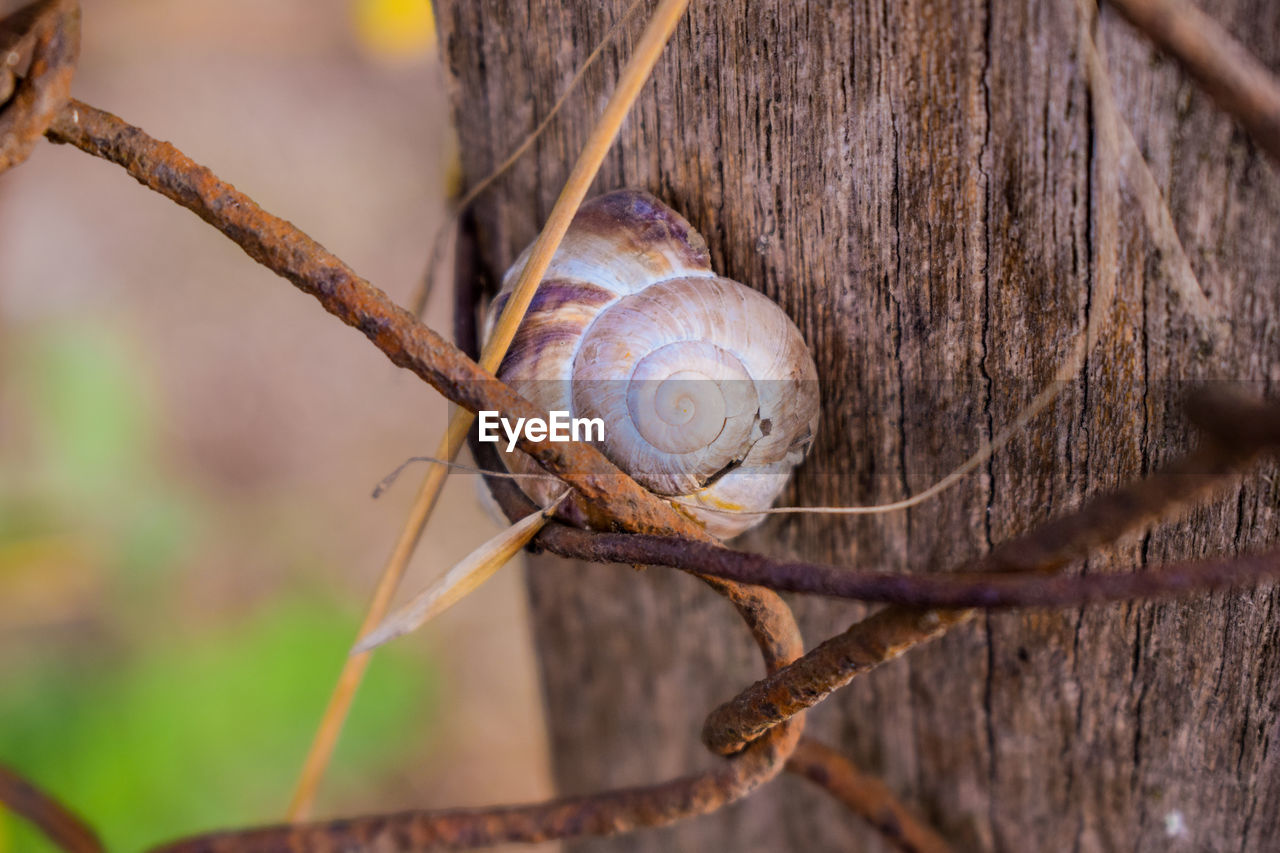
(920, 185)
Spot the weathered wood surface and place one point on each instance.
(915, 184)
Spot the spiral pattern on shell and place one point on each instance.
(705, 387)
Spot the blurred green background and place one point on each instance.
(119, 720)
(187, 445)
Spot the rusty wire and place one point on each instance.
(605, 813)
(50, 29)
(989, 590)
(284, 249)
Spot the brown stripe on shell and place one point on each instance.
(637, 222)
(546, 325)
(555, 292)
(531, 341)
(552, 293)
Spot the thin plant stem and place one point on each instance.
(652, 41)
(438, 238)
(459, 581)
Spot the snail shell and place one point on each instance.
(705, 387)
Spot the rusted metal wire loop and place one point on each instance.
(1235, 431)
(52, 29)
(55, 820)
(862, 794)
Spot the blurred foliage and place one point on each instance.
(395, 29)
(150, 721)
(208, 731)
(90, 468)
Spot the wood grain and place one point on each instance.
(918, 185)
